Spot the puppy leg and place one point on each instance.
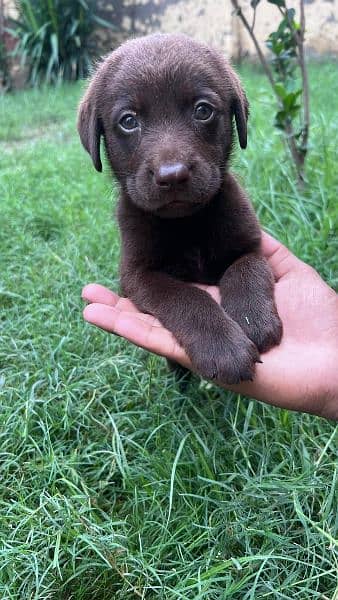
(247, 295)
(215, 344)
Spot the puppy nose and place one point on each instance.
(168, 175)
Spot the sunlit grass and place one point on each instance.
(114, 483)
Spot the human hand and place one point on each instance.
(299, 374)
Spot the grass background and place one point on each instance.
(114, 484)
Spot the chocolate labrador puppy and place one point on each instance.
(164, 106)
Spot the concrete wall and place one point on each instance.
(213, 21)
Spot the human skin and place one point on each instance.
(300, 374)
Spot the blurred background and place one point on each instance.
(80, 30)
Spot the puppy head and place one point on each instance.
(164, 105)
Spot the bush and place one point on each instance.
(55, 38)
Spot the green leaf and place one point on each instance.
(104, 23)
(280, 90)
(292, 85)
(55, 46)
(290, 100)
(277, 2)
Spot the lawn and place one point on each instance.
(114, 483)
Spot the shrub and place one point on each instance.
(55, 38)
(287, 74)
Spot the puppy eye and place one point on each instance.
(203, 111)
(128, 122)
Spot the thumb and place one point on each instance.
(279, 257)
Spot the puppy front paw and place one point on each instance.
(266, 331)
(225, 354)
(259, 321)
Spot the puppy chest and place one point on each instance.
(190, 251)
(190, 264)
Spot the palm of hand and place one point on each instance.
(299, 374)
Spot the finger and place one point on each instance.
(103, 313)
(94, 292)
(280, 259)
(140, 329)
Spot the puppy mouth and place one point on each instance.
(179, 198)
(178, 208)
(177, 204)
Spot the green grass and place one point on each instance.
(114, 484)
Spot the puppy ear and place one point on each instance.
(89, 125)
(239, 105)
(241, 112)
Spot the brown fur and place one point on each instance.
(182, 215)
